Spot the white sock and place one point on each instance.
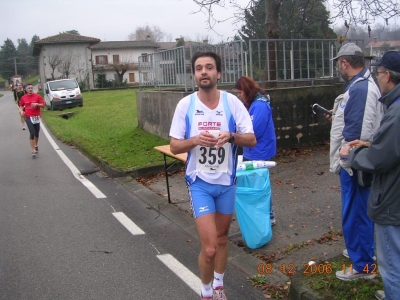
(206, 290)
(218, 280)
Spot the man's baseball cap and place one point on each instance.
(349, 49)
(390, 60)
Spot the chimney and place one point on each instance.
(177, 39)
(205, 41)
(148, 37)
(375, 39)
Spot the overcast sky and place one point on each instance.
(108, 20)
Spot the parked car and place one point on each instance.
(63, 93)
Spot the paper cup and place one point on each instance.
(215, 133)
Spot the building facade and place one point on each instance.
(66, 55)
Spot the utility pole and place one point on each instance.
(15, 65)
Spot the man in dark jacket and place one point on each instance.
(381, 157)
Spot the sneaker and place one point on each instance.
(380, 295)
(273, 221)
(205, 298)
(353, 275)
(23, 128)
(37, 149)
(33, 154)
(346, 254)
(219, 293)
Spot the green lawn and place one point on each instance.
(31, 79)
(107, 126)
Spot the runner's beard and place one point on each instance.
(207, 86)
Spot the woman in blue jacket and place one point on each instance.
(257, 103)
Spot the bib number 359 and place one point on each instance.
(211, 160)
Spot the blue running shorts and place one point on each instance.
(206, 198)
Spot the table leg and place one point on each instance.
(166, 177)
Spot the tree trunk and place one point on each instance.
(272, 32)
(121, 77)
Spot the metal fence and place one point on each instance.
(173, 67)
(273, 60)
(270, 60)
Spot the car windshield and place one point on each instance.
(63, 85)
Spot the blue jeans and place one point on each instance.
(388, 248)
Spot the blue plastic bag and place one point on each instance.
(253, 198)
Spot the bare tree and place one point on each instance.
(355, 12)
(365, 12)
(203, 38)
(68, 64)
(122, 66)
(54, 60)
(147, 33)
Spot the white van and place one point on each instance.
(63, 93)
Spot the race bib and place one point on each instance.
(211, 160)
(35, 120)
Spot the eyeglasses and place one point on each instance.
(376, 73)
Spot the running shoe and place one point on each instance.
(205, 298)
(33, 154)
(37, 149)
(352, 274)
(219, 293)
(23, 128)
(346, 254)
(380, 295)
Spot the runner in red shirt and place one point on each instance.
(32, 104)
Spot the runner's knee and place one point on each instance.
(209, 252)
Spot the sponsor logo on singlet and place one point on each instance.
(199, 112)
(209, 125)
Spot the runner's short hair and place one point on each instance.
(212, 54)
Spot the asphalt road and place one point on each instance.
(64, 235)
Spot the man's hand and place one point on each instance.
(329, 117)
(344, 152)
(357, 143)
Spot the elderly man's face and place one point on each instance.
(382, 77)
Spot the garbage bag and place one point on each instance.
(252, 205)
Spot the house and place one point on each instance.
(111, 58)
(378, 48)
(66, 55)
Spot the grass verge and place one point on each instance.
(329, 287)
(107, 126)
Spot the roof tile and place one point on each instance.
(124, 45)
(67, 38)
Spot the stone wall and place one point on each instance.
(295, 123)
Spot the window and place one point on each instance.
(101, 60)
(144, 57)
(116, 59)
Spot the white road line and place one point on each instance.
(89, 185)
(124, 220)
(182, 272)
